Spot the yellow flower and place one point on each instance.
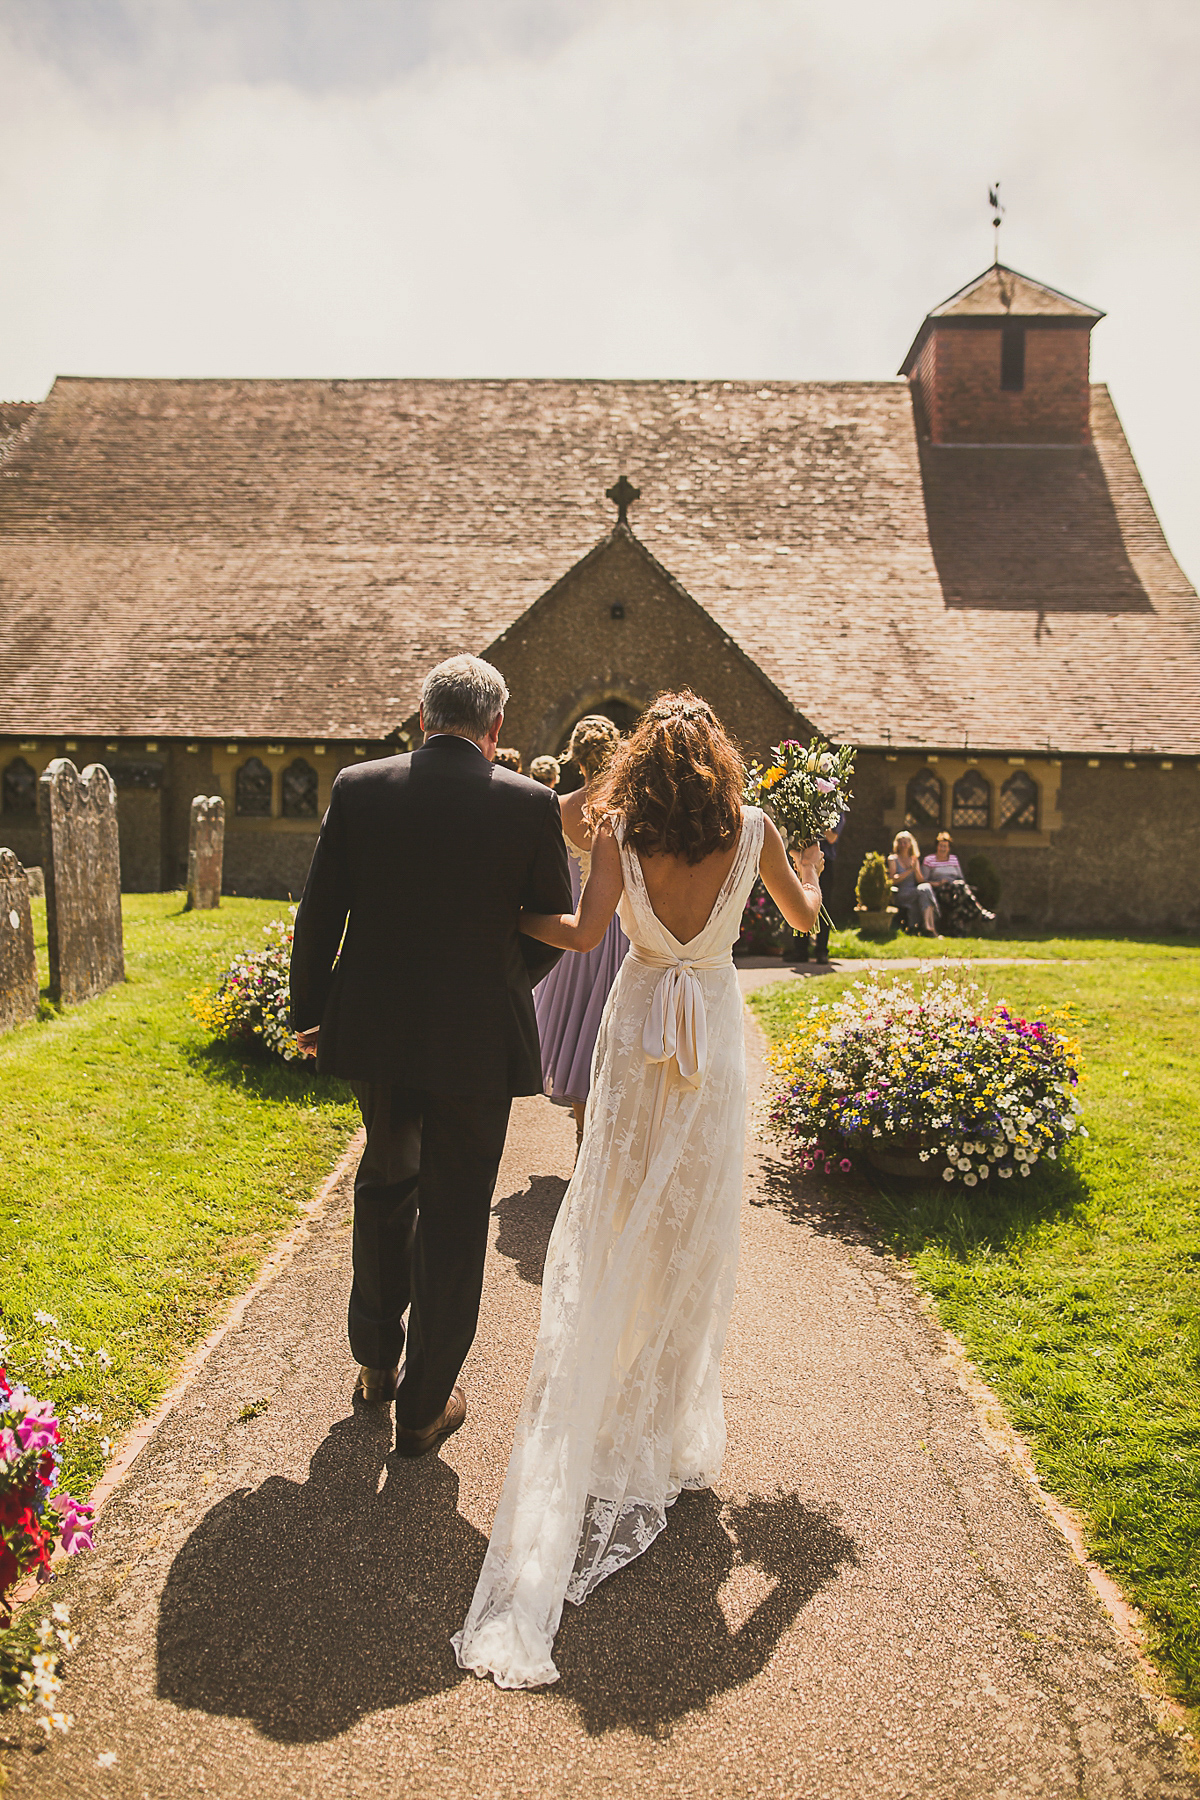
(772, 776)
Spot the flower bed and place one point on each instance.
(933, 1073)
(34, 1522)
(250, 1005)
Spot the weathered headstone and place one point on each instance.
(37, 887)
(81, 863)
(18, 965)
(206, 851)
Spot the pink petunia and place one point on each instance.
(77, 1524)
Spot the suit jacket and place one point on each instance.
(424, 862)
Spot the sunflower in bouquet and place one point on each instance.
(805, 788)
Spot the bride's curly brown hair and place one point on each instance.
(676, 781)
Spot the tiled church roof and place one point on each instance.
(287, 558)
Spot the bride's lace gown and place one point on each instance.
(623, 1407)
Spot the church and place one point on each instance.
(236, 587)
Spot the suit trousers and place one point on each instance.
(422, 1201)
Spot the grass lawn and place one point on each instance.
(849, 944)
(144, 1172)
(1078, 1294)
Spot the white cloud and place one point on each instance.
(666, 188)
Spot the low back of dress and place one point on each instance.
(643, 926)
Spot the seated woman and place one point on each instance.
(962, 913)
(914, 897)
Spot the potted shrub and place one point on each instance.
(873, 916)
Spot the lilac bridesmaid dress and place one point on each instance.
(570, 1000)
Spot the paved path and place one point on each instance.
(872, 1604)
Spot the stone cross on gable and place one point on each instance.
(622, 493)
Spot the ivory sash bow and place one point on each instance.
(677, 1024)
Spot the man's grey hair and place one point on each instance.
(464, 694)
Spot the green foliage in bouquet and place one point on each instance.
(805, 790)
(874, 885)
(251, 1004)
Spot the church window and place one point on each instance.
(1019, 803)
(923, 802)
(299, 791)
(20, 787)
(971, 806)
(254, 789)
(1012, 356)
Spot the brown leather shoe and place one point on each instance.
(376, 1386)
(420, 1443)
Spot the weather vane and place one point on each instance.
(998, 212)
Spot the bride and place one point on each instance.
(623, 1407)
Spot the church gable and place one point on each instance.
(619, 627)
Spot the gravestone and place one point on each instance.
(18, 966)
(206, 851)
(81, 863)
(37, 887)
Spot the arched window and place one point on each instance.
(923, 802)
(299, 791)
(254, 790)
(971, 804)
(20, 787)
(1019, 803)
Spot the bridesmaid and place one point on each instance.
(571, 998)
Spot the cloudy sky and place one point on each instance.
(753, 188)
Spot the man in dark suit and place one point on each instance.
(424, 862)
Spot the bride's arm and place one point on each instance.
(798, 897)
(583, 929)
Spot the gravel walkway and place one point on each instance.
(872, 1604)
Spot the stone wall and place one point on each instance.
(1123, 854)
(156, 784)
(271, 865)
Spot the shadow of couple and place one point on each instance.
(305, 1606)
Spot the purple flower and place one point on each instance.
(823, 786)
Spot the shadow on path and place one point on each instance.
(653, 1643)
(526, 1221)
(302, 1607)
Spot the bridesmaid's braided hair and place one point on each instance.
(592, 743)
(676, 781)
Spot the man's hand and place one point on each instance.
(306, 1041)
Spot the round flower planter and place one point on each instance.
(891, 1156)
(875, 924)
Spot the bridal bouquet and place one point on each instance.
(805, 790)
